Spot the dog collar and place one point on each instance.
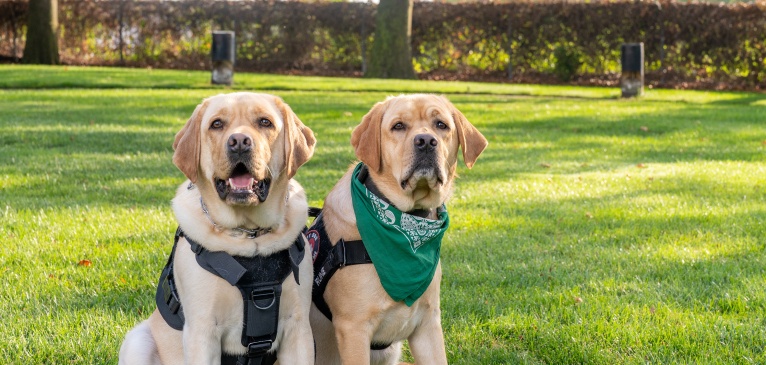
(363, 176)
(236, 231)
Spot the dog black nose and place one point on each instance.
(425, 142)
(239, 143)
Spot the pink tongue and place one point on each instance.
(241, 181)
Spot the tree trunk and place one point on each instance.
(391, 54)
(42, 33)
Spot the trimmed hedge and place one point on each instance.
(713, 44)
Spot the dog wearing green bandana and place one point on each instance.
(394, 202)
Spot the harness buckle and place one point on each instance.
(171, 296)
(196, 247)
(260, 295)
(342, 252)
(258, 348)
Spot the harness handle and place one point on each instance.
(314, 212)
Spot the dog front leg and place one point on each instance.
(201, 345)
(353, 341)
(297, 346)
(427, 341)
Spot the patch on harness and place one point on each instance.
(314, 240)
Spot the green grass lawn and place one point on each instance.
(592, 230)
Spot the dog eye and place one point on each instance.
(398, 126)
(441, 125)
(263, 122)
(217, 124)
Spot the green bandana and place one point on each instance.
(404, 248)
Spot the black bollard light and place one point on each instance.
(632, 78)
(223, 53)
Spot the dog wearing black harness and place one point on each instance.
(236, 288)
(376, 243)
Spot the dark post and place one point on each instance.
(223, 54)
(632, 79)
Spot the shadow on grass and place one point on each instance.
(684, 259)
(579, 144)
(749, 99)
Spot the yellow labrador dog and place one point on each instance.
(409, 149)
(240, 209)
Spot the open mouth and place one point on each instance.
(241, 185)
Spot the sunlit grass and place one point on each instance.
(592, 230)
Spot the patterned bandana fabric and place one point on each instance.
(404, 248)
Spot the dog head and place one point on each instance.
(239, 144)
(410, 144)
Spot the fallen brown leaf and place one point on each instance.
(85, 263)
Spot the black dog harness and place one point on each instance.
(258, 278)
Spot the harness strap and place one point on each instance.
(218, 263)
(233, 269)
(296, 252)
(342, 254)
(261, 317)
(168, 302)
(331, 258)
(268, 359)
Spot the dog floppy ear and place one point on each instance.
(299, 140)
(470, 139)
(366, 137)
(187, 144)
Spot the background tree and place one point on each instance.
(42, 33)
(391, 54)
